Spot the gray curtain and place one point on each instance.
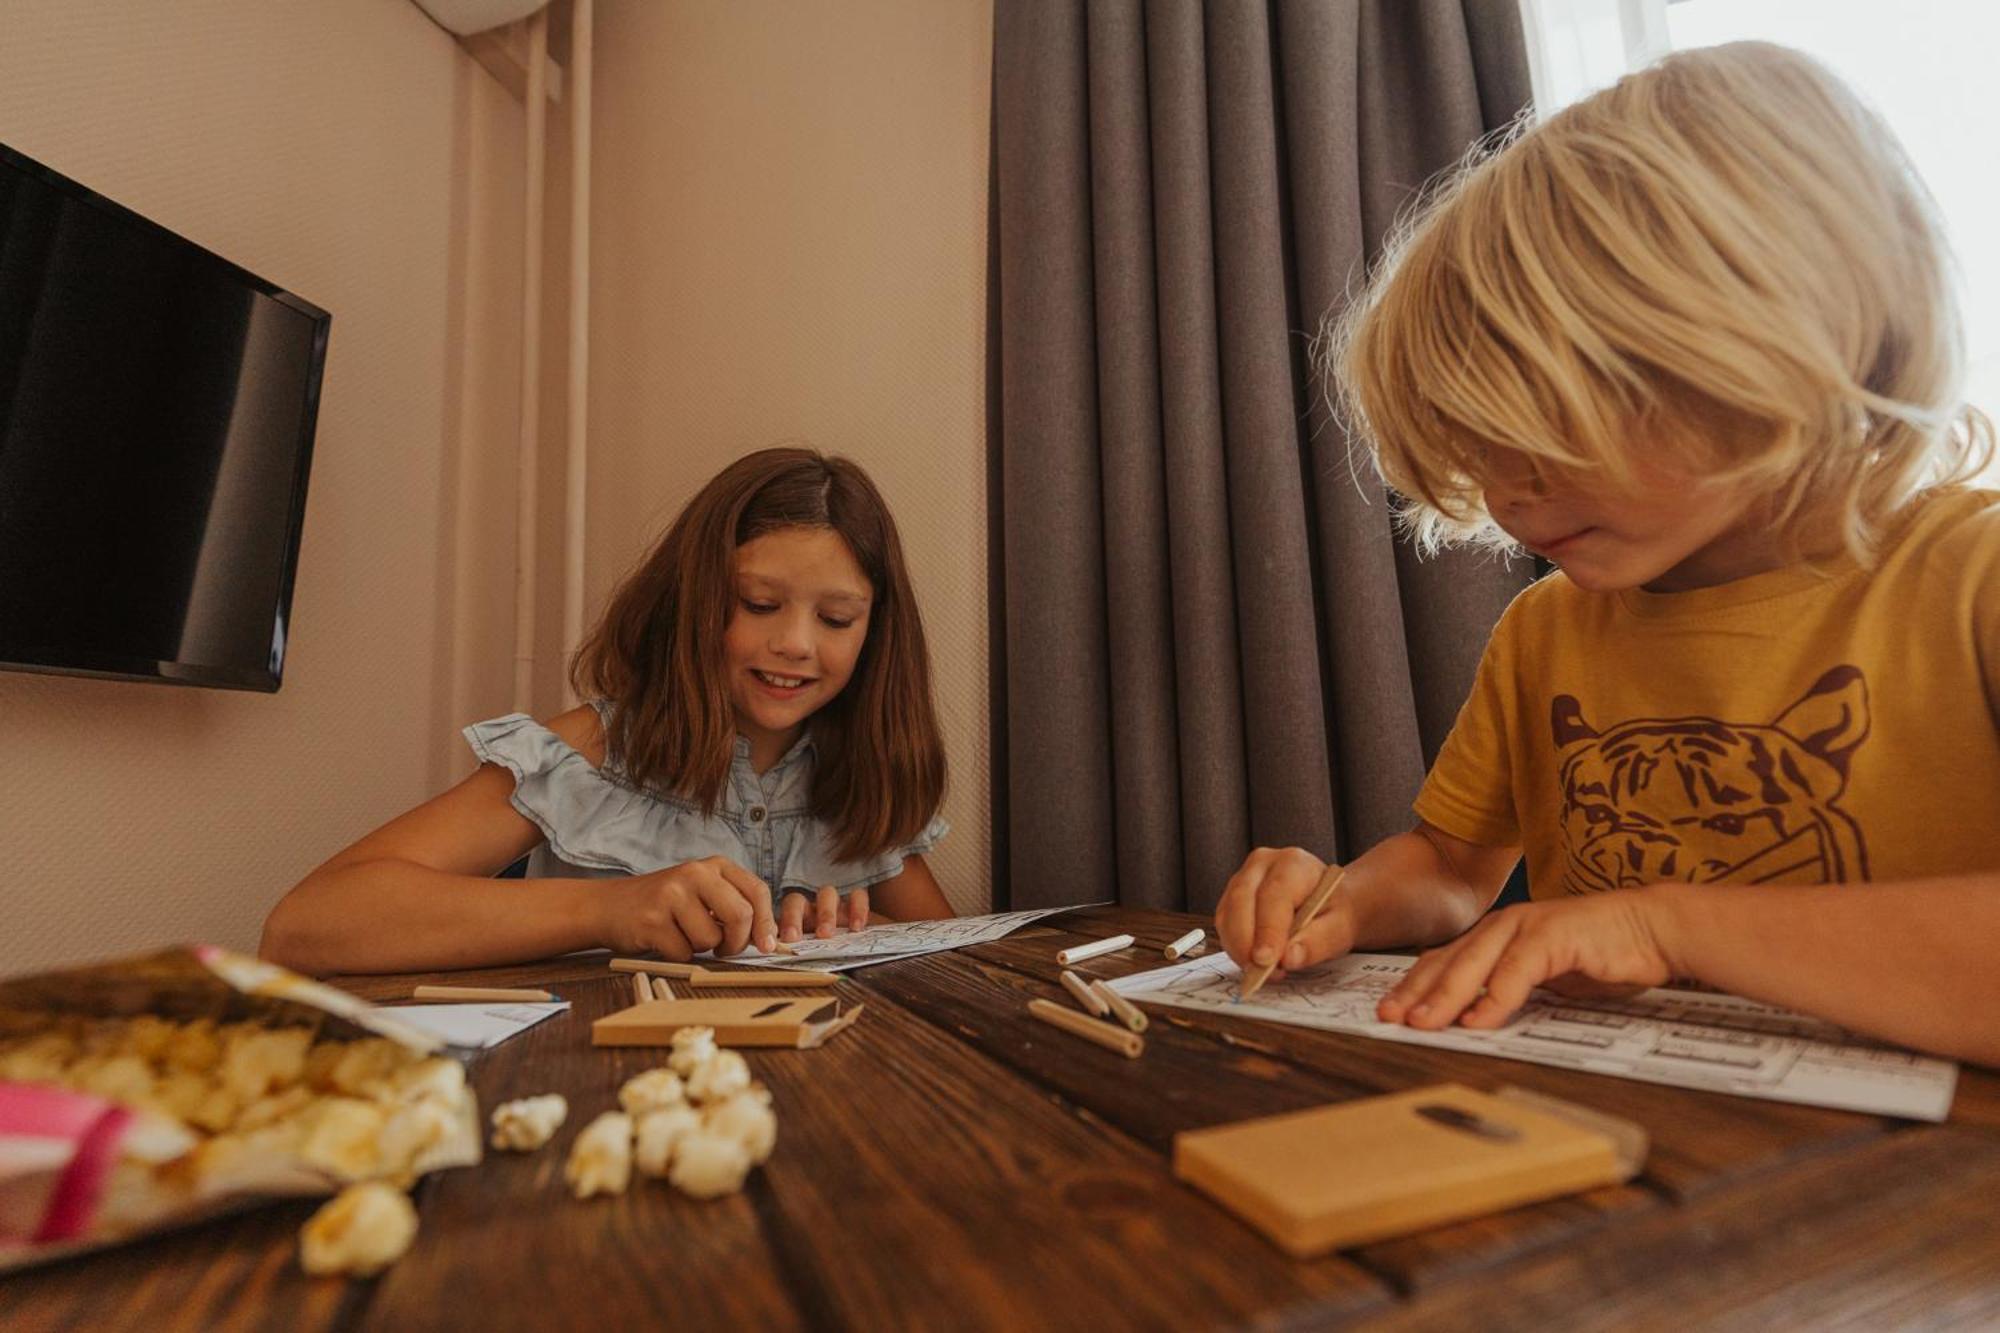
(1206, 635)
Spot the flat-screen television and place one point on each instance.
(157, 406)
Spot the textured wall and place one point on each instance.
(351, 152)
(789, 230)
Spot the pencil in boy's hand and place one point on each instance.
(1259, 973)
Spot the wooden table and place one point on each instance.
(949, 1162)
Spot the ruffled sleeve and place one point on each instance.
(811, 864)
(590, 819)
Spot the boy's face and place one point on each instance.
(796, 627)
(1675, 532)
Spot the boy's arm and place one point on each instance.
(1414, 888)
(1909, 962)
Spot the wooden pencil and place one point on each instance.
(661, 990)
(1259, 973)
(1085, 996)
(654, 966)
(1127, 1044)
(446, 993)
(1123, 1009)
(761, 977)
(642, 987)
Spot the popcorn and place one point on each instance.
(216, 1111)
(653, 1090)
(118, 1078)
(343, 1140)
(433, 1079)
(527, 1123)
(413, 1129)
(600, 1160)
(724, 1073)
(365, 1067)
(256, 1060)
(659, 1132)
(708, 1165)
(40, 1059)
(194, 1047)
(269, 1110)
(747, 1118)
(693, 1047)
(362, 1231)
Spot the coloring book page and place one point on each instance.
(902, 939)
(1691, 1039)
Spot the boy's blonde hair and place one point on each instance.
(1726, 253)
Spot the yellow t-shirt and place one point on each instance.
(1800, 726)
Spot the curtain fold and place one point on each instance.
(1208, 636)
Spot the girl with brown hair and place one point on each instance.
(760, 724)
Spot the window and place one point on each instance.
(1926, 68)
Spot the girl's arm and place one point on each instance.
(418, 893)
(913, 895)
(1909, 961)
(1413, 888)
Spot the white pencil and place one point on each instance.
(1096, 949)
(1185, 943)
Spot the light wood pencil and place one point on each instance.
(1127, 1044)
(1123, 1009)
(661, 990)
(1259, 973)
(442, 993)
(642, 987)
(767, 977)
(656, 967)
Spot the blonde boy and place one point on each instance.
(1694, 341)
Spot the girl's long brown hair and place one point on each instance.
(657, 655)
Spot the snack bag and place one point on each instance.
(150, 1092)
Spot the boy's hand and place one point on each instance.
(1260, 901)
(712, 903)
(1605, 944)
(821, 914)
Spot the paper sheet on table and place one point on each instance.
(477, 1025)
(902, 939)
(1690, 1039)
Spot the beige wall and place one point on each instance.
(351, 152)
(789, 231)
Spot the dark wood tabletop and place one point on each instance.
(949, 1162)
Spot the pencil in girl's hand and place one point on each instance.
(1259, 973)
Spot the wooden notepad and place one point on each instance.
(1364, 1170)
(762, 1021)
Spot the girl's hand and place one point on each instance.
(678, 912)
(1260, 901)
(823, 915)
(1605, 944)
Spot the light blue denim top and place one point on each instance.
(598, 825)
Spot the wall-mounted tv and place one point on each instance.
(157, 406)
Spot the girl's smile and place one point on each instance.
(794, 635)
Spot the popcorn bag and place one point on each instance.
(147, 1093)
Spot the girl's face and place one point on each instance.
(1673, 534)
(796, 627)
